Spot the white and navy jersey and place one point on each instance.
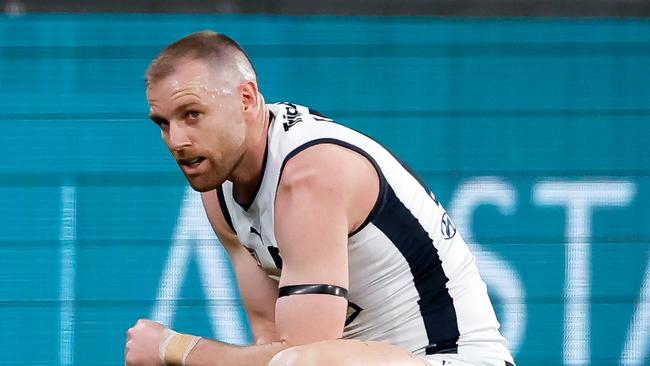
(413, 281)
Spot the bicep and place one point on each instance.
(319, 258)
(313, 219)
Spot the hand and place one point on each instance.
(142, 344)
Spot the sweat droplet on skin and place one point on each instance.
(231, 75)
(244, 69)
(200, 84)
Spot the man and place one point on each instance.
(341, 255)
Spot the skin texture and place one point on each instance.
(228, 130)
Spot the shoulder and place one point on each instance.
(332, 177)
(324, 165)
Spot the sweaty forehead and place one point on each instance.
(189, 78)
(186, 75)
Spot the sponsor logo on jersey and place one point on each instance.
(447, 227)
(254, 231)
(273, 251)
(293, 116)
(353, 312)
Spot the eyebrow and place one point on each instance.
(186, 105)
(160, 120)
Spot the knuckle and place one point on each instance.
(131, 359)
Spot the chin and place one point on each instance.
(201, 185)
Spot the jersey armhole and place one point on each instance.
(382, 180)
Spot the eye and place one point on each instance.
(192, 114)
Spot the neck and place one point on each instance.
(247, 176)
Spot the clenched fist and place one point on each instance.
(143, 344)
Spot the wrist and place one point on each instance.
(175, 347)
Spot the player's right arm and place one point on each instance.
(258, 291)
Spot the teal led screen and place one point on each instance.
(531, 132)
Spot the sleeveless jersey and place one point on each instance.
(412, 279)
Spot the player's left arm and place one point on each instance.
(325, 192)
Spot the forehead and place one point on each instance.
(188, 76)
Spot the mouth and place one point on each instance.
(191, 165)
(191, 162)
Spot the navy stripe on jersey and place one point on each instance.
(224, 208)
(315, 113)
(318, 116)
(354, 148)
(397, 222)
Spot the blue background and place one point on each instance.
(469, 103)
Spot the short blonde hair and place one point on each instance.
(214, 48)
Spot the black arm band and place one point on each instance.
(313, 289)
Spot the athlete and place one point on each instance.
(342, 256)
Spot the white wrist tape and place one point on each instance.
(175, 347)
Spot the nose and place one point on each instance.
(178, 138)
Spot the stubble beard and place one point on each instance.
(207, 181)
(215, 176)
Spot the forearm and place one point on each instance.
(213, 353)
(264, 331)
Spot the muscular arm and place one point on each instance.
(257, 290)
